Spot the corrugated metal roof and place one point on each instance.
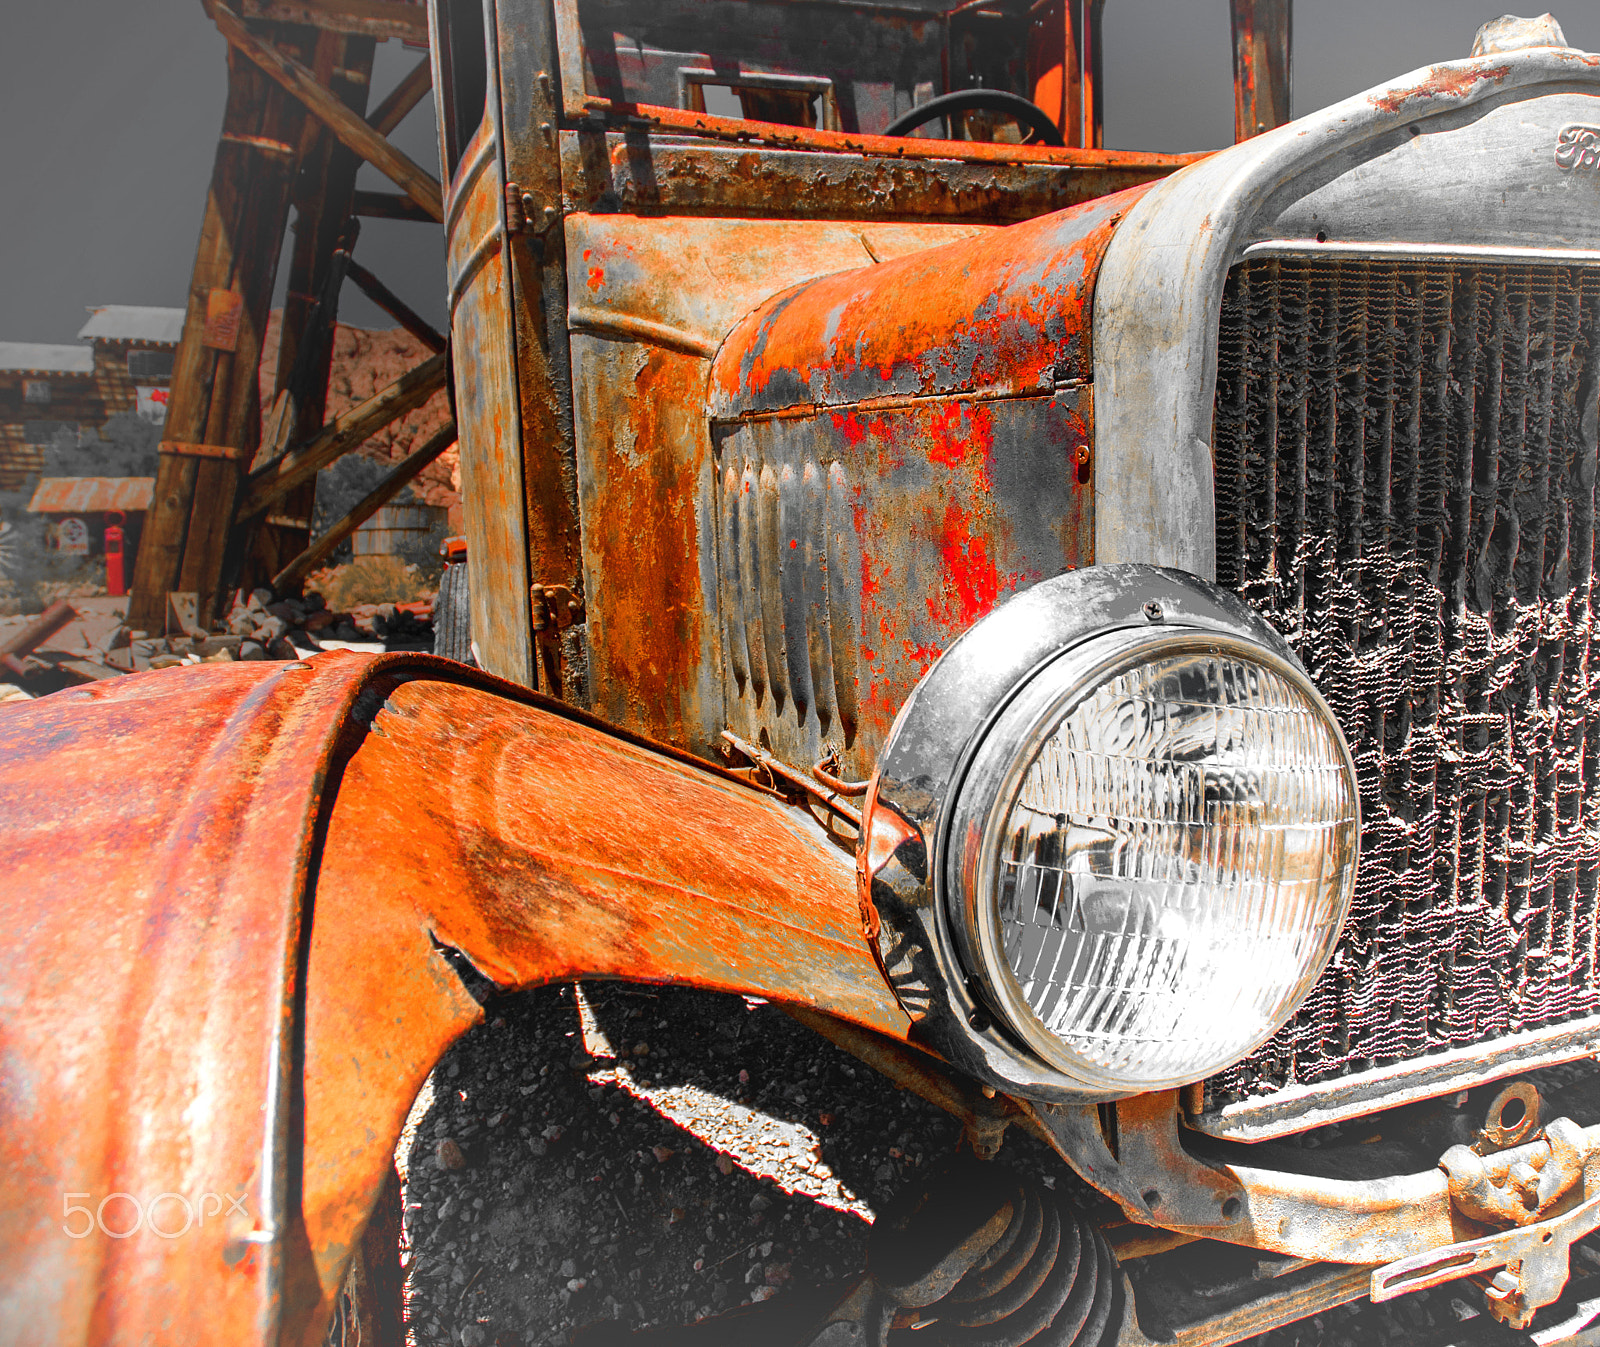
(130, 322)
(87, 495)
(35, 357)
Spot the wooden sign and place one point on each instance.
(72, 537)
(224, 310)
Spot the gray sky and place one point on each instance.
(110, 109)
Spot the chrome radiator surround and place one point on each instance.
(1466, 153)
(1405, 160)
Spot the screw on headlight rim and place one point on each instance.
(1154, 612)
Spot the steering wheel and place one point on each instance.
(1029, 114)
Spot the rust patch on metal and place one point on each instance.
(644, 472)
(1443, 82)
(470, 813)
(1004, 314)
(933, 511)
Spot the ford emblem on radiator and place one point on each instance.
(1578, 147)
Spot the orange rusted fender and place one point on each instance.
(226, 889)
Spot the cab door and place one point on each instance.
(482, 337)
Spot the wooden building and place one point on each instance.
(125, 365)
(42, 389)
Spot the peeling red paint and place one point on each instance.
(972, 582)
(849, 425)
(961, 429)
(597, 277)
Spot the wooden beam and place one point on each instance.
(404, 172)
(372, 18)
(1262, 41)
(362, 421)
(289, 579)
(215, 392)
(323, 234)
(390, 206)
(402, 98)
(391, 303)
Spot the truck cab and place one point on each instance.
(1103, 637)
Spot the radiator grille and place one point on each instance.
(1405, 457)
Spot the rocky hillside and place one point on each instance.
(364, 362)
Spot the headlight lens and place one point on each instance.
(1154, 850)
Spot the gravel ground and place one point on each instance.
(629, 1156)
(648, 1156)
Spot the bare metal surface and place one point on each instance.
(1467, 252)
(1515, 1114)
(1296, 1107)
(1532, 1259)
(1510, 33)
(1160, 289)
(1284, 1301)
(1518, 1187)
(1177, 1189)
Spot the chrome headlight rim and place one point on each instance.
(994, 770)
(938, 732)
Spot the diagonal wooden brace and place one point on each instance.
(353, 131)
(288, 579)
(405, 394)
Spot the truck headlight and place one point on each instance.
(1111, 840)
(1152, 854)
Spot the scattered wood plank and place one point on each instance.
(339, 436)
(409, 176)
(20, 645)
(90, 671)
(289, 579)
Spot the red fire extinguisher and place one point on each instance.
(114, 580)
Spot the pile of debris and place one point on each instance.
(257, 627)
(282, 629)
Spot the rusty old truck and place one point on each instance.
(1103, 637)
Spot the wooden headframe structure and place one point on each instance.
(234, 489)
